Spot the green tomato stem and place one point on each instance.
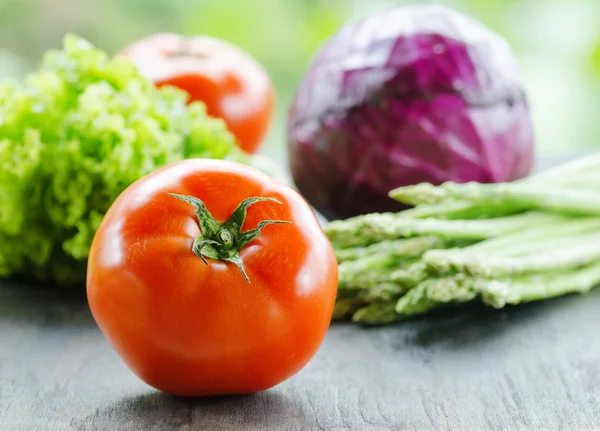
(225, 241)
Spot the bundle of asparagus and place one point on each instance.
(504, 243)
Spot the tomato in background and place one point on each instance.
(231, 84)
(197, 305)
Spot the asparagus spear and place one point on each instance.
(575, 172)
(399, 248)
(511, 196)
(433, 292)
(362, 230)
(377, 262)
(455, 289)
(580, 174)
(419, 194)
(498, 293)
(371, 228)
(536, 238)
(411, 276)
(564, 200)
(356, 284)
(415, 301)
(455, 210)
(371, 300)
(384, 291)
(377, 313)
(377, 266)
(345, 307)
(580, 252)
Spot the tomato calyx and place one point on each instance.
(225, 241)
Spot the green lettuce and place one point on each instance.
(72, 138)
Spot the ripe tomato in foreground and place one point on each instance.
(231, 84)
(209, 278)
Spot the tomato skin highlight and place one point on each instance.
(192, 329)
(231, 84)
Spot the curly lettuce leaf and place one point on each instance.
(72, 138)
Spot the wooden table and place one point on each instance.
(528, 367)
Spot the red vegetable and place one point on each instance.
(232, 85)
(193, 305)
(416, 94)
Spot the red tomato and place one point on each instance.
(192, 328)
(231, 84)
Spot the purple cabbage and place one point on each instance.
(415, 94)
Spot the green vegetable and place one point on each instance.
(509, 196)
(583, 250)
(529, 240)
(376, 313)
(498, 293)
(371, 228)
(77, 133)
(397, 248)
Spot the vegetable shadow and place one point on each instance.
(160, 411)
(471, 326)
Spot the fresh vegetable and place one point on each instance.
(506, 243)
(416, 94)
(209, 278)
(231, 84)
(75, 135)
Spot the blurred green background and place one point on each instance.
(557, 42)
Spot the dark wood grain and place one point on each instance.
(529, 367)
